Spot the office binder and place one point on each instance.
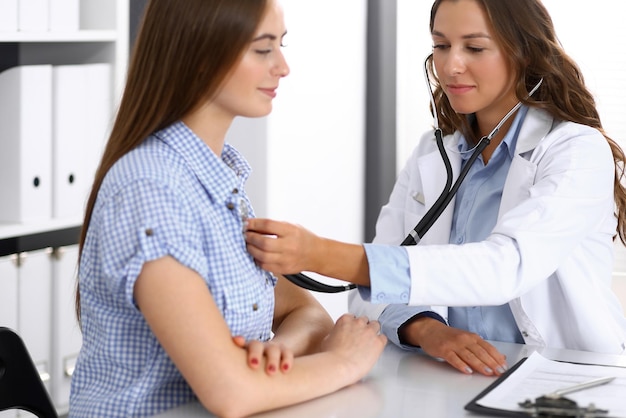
(26, 144)
(34, 304)
(33, 15)
(99, 115)
(64, 15)
(8, 15)
(68, 140)
(66, 335)
(8, 292)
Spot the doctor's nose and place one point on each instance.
(454, 63)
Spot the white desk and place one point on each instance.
(405, 384)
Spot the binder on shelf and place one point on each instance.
(69, 128)
(66, 335)
(26, 138)
(81, 116)
(34, 307)
(64, 15)
(33, 15)
(8, 292)
(99, 115)
(8, 15)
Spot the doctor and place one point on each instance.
(524, 252)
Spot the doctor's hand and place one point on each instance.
(465, 351)
(281, 247)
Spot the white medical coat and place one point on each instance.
(550, 255)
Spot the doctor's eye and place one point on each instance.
(475, 49)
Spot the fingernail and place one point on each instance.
(468, 370)
(500, 369)
(488, 370)
(254, 361)
(271, 368)
(285, 367)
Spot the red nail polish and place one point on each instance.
(272, 369)
(254, 361)
(285, 367)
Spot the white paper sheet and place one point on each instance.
(538, 376)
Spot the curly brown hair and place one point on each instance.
(525, 32)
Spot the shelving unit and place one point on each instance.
(103, 38)
(38, 259)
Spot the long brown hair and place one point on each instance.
(183, 52)
(524, 31)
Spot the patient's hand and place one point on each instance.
(275, 356)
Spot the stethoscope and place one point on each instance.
(435, 211)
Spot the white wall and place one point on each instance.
(414, 45)
(308, 155)
(591, 32)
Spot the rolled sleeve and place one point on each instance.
(146, 221)
(389, 274)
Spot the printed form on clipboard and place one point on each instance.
(536, 376)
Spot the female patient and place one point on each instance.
(171, 305)
(524, 254)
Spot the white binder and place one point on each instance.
(69, 133)
(99, 115)
(8, 15)
(64, 15)
(33, 15)
(34, 304)
(8, 291)
(8, 303)
(25, 135)
(66, 335)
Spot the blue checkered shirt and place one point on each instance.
(170, 196)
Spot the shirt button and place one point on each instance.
(149, 232)
(255, 307)
(525, 333)
(380, 296)
(230, 206)
(405, 297)
(235, 191)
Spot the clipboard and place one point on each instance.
(541, 398)
(473, 405)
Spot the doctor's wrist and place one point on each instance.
(416, 329)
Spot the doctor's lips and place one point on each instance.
(458, 88)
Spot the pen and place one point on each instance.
(585, 385)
